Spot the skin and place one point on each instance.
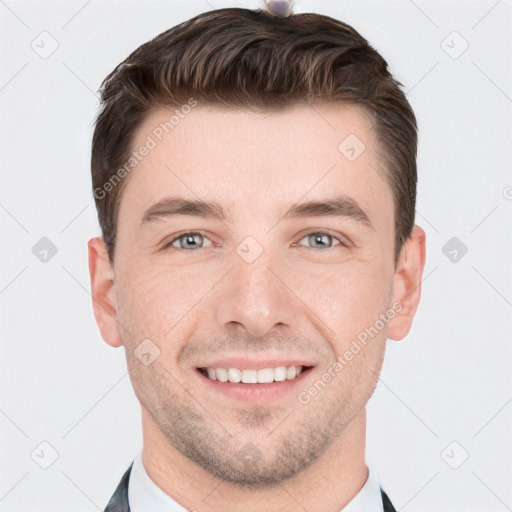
(297, 299)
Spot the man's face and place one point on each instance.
(256, 288)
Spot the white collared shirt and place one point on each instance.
(145, 496)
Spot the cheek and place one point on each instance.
(156, 301)
(361, 372)
(348, 298)
(151, 300)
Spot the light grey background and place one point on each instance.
(449, 381)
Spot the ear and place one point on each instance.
(104, 303)
(407, 284)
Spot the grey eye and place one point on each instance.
(320, 240)
(189, 241)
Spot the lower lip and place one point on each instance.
(254, 392)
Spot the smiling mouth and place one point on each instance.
(251, 376)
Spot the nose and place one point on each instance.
(256, 298)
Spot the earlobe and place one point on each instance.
(103, 292)
(407, 284)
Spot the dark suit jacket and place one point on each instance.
(119, 501)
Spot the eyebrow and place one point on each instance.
(340, 206)
(171, 206)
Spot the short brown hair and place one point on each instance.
(249, 59)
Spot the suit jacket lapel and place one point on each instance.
(119, 500)
(388, 506)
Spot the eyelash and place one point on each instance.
(341, 240)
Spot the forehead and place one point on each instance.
(247, 160)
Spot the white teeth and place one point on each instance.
(221, 374)
(280, 373)
(249, 376)
(265, 375)
(234, 375)
(262, 376)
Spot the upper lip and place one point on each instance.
(253, 364)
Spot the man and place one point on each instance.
(255, 180)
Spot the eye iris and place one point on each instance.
(189, 239)
(320, 240)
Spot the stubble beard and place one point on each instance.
(234, 454)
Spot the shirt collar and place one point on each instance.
(368, 499)
(144, 495)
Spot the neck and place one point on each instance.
(327, 485)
